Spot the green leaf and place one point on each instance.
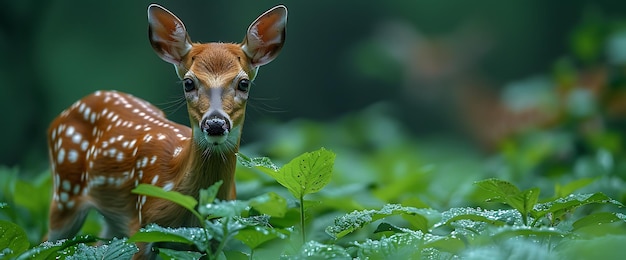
(387, 227)
(525, 231)
(397, 246)
(596, 219)
(567, 189)
(506, 192)
(48, 250)
(253, 237)
(478, 218)
(185, 201)
(524, 201)
(270, 204)
(447, 244)
(417, 221)
(13, 239)
(316, 250)
(257, 162)
(116, 249)
(208, 195)
(601, 247)
(187, 235)
(350, 222)
(307, 173)
(223, 208)
(561, 206)
(170, 254)
(499, 189)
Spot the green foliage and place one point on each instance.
(13, 239)
(185, 201)
(305, 174)
(115, 249)
(505, 192)
(51, 250)
(550, 190)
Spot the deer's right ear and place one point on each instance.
(167, 34)
(266, 36)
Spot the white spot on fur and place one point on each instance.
(177, 151)
(66, 185)
(61, 156)
(153, 159)
(72, 156)
(64, 197)
(168, 186)
(70, 131)
(84, 145)
(77, 137)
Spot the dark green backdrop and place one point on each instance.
(340, 56)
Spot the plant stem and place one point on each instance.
(220, 247)
(302, 218)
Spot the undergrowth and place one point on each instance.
(517, 225)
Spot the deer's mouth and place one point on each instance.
(215, 129)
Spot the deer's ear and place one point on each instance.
(167, 34)
(266, 36)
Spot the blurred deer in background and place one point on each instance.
(108, 143)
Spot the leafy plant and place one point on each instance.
(305, 174)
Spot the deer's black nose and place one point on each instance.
(215, 126)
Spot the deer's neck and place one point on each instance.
(207, 166)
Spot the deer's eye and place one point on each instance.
(189, 85)
(243, 85)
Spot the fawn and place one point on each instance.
(109, 142)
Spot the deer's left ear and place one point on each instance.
(266, 36)
(167, 34)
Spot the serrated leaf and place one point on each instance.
(417, 221)
(48, 250)
(498, 188)
(560, 206)
(208, 195)
(307, 173)
(446, 244)
(524, 201)
(387, 227)
(185, 201)
(255, 236)
(478, 218)
(350, 222)
(13, 239)
(170, 254)
(187, 235)
(316, 250)
(270, 204)
(223, 208)
(397, 246)
(514, 231)
(471, 221)
(506, 192)
(116, 249)
(256, 162)
(597, 219)
(567, 189)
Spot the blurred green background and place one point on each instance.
(436, 67)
